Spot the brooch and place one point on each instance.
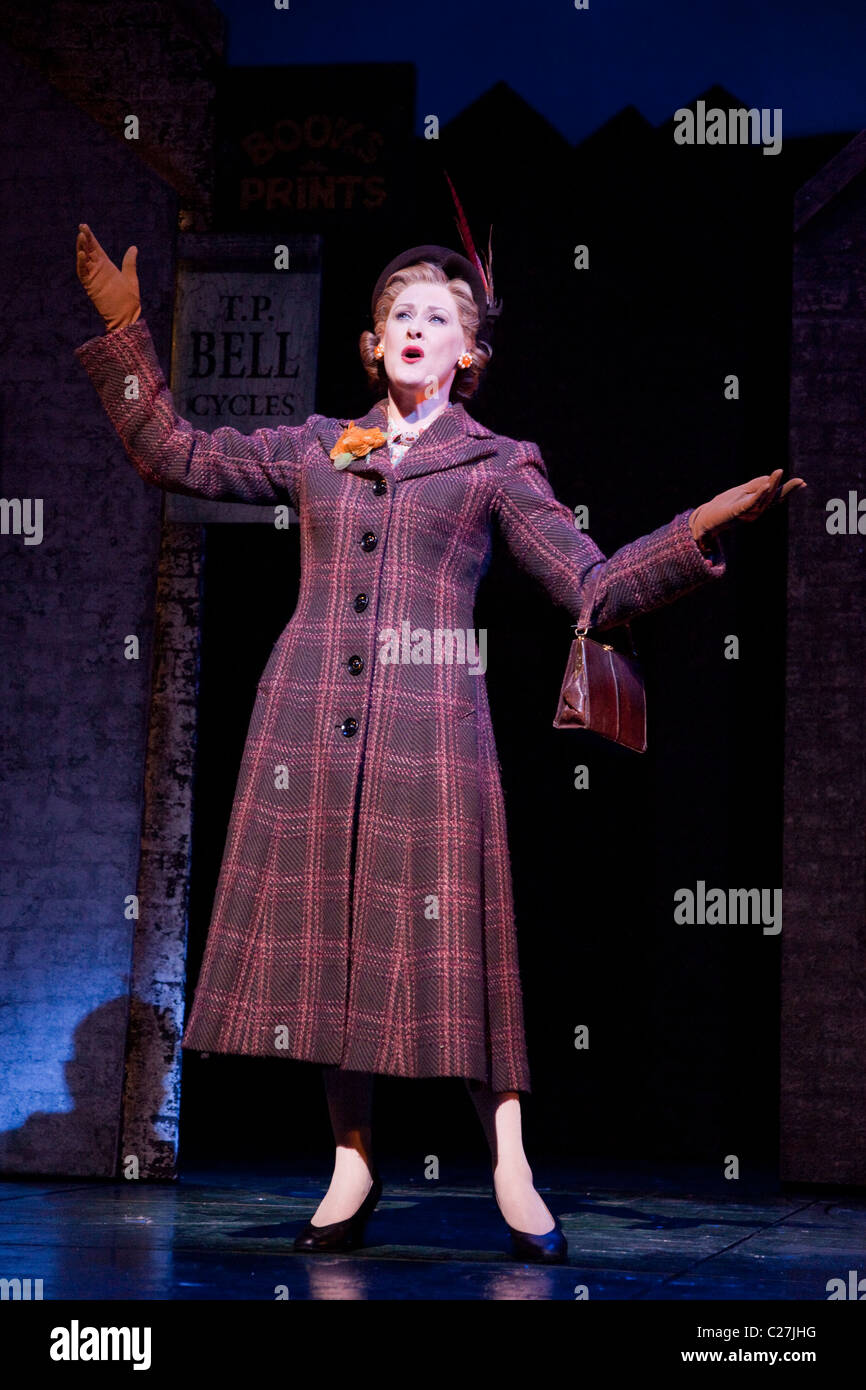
(355, 443)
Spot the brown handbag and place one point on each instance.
(603, 689)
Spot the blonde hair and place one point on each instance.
(466, 379)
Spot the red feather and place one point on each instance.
(462, 223)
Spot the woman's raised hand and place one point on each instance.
(745, 502)
(114, 292)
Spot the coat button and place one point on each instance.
(355, 664)
(380, 487)
(348, 727)
(360, 602)
(368, 540)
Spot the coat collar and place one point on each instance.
(452, 439)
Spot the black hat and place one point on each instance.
(455, 266)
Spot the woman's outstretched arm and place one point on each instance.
(223, 464)
(646, 573)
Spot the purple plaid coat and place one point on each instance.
(363, 914)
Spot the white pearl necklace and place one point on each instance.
(408, 435)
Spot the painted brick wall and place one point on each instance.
(74, 710)
(823, 1103)
(156, 59)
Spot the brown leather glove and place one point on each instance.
(746, 502)
(114, 292)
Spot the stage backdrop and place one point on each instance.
(246, 334)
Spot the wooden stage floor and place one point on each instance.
(635, 1232)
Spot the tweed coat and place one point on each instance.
(363, 915)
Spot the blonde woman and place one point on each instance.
(363, 917)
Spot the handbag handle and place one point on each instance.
(582, 627)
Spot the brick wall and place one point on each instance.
(75, 711)
(156, 59)
(823, 1103)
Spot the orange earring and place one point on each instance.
(378, 350)
(464, 360)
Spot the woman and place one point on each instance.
(363, 916)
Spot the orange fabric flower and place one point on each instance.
(355, 443)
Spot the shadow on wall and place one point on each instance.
(83, 1141)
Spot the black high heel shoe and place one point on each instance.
(551, 1248)
(341, 1235)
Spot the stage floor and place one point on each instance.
(636, 1232)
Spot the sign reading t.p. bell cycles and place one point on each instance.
(245, 344)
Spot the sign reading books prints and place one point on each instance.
(323, 146)
(245, 344)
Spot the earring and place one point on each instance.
(464, 360)
(378, 350)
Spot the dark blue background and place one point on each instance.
(578, 68)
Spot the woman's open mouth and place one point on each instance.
(412, 354)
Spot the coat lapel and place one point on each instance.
(454, 438)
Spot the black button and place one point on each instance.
(360, 602)
(355, 664)
(368, 540)
(348, 727)
(380, 487)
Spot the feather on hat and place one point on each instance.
(471, 268)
